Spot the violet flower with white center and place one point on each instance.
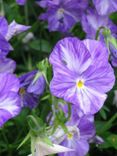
(81, 73)
(92, 21)
(10, 105)
(32, 86)
(78, 135)
(105, 7)
(63, 15)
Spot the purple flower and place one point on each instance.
(5, 47)
(105, 7)
(7, 32)
(9, 98)
(63, 15)
(32, 86)
(21, 2)
(15, 29)
(78, 135)
(7, 65)
(81, 73)
(92, 21)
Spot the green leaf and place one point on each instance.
(41, 45)
(107, 125)
(112, 139)
(25, 140)
(103, 114)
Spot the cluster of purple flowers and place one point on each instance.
(63, 15)
(15, 92)
(81, 131)
(82, 74)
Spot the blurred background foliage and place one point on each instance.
(27, 55)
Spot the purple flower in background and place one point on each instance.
(7, 32)
(10, 105)
(92, 21)
(15, 29)
(78, 136)
(21, 2)
(105, 7)
(81, 73)
(63, 15)
(32, 86)
(47, 3)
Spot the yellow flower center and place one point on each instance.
(80, 84)
(70, 135)
(22, 91)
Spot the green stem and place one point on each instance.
(69, 111)
(2, 13)
(97, 33)
(26, 14)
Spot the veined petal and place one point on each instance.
(7, 65)
(71, 53)
(98, 78)
(86, 126)
(59, 87)
(5, 47)
(90, 101)
(98, 51)
(81, 147)
(9, 106)
(105, 7)
(3, 26)
(15, 29)
(37, 85)
(9, 82)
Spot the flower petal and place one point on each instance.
(9, 82)
(15, 29)
(71, 53)
(9, 106)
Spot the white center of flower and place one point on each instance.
(73, 130)
(60, 13)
